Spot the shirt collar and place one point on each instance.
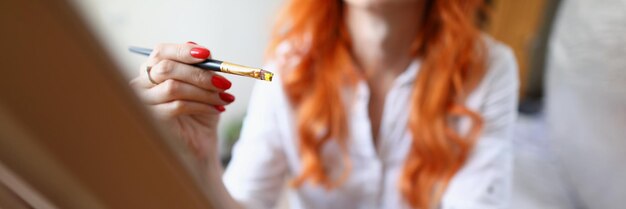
(410, 74)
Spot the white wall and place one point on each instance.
(234, 30)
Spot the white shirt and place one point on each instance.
(266, 155)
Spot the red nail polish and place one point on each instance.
(220, 82)
(191, 42)
(220, 108)
(200, 53)
(227, 97)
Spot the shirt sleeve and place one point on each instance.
(485, 180)
(255, 175)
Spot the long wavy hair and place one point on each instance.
(320, 65)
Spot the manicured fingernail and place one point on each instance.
(220, 82)
(227, 97)
(220, 108)
(191, 42)
(200, 53)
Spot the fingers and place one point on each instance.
(171, 90)
(171, 61)
(186, 53)
(180, 107)
(168, 69)
(173, 87)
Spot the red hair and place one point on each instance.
(452, 53)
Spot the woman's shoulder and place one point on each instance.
(500, 62)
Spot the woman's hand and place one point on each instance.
(188, 98)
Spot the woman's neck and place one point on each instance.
(382, 35)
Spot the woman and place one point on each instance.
(378, 104)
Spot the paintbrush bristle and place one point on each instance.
(266, 75)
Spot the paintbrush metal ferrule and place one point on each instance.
(236, 69)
